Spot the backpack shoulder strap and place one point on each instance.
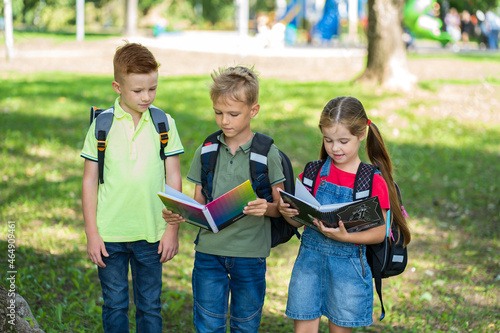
(261, 144)
(363, 181)
(161, 124)
(102, 127)
(209, 153)
(311, 171)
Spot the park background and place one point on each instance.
(442, 135)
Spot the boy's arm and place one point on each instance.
(169, 243)
(261, 207)
(95, 244)
(198, 195)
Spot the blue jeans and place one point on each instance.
(146, 269)
(493, 39)
(214, 278)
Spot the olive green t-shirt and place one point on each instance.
(251, 235)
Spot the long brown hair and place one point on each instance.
(349, 112)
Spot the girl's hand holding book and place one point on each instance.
(286, 210)
(339, 234)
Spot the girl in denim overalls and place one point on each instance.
(331, 276)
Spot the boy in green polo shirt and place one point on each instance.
(233, 261)
(123, 220)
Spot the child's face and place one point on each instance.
(137, 91)
(233, 117)
(341, 145)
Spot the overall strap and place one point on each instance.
(261, 144)
(161, 124)
(102, 126)
(209, 153)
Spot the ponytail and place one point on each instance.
(379, 156)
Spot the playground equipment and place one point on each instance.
(322, 19)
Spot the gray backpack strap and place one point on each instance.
(103, 123)
(161, 124)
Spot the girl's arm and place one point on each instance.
(288, 213)
(371, 236)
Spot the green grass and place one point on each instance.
(447, 168)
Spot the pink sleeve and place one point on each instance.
(380, 189)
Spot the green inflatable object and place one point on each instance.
(418, 19)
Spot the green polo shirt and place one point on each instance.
(251, 235)
(128, 207)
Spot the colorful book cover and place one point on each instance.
(214, 216)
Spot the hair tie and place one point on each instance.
(368, 122)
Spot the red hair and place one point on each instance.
(133, 58)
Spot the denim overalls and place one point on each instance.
(331, 278)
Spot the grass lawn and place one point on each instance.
(446, 166)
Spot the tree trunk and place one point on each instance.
(9, 29)
(132, 17)
(386, 62)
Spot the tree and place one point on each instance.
(9, 30)
(132, 16)
(386, 62)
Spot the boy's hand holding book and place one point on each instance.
(172, 218)
(256, 207)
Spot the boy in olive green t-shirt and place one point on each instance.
(123, 221)
(233, 261)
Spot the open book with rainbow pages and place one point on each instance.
(357, 216)
(214, 216)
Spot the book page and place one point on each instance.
(181, 197)
(187, 207)
(303, 193)
(193, 215)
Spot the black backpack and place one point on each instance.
(104, 120)
(388, 258)
(281, 231)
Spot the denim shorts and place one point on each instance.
(331, 279)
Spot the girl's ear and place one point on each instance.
(363, 136)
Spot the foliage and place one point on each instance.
(447, 167)
(470, 6)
